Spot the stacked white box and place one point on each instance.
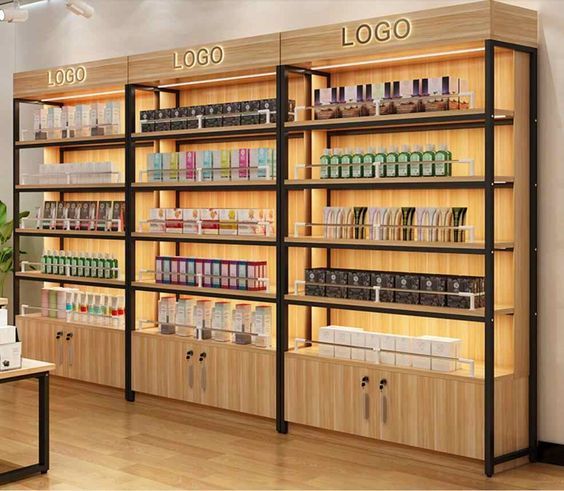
(388, 347)
(444, 347)
(403, 348)
(326, 335)
(421, 349)
(372, 340)
(358, 341)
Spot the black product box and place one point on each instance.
(362, 280)
(213, 117)
(432, 284)
(316, 275)
(192, 114)
(336, 277)
(231, 114)
(383, 280)
(249, 110)
(178, 118)
(269, 104)
(162, 119)
(147, 123)
(465, 284)
(407, 282)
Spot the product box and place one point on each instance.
(88, 215)
(383, 280)
(432, 284)
(227, 221)
(242, 275)
(421, 345)
(403, 348)
(262, 326)
(233, 272)
(157, 220)
(240, 162)
(326, 335)
(325, 101)
(190, 219)
(421, 362)
(343, 336)
(407, 282)
(162, 119)
(248, 221)
(192, 271)
(118, 216)
(204, 161)
(224, 162)
(202, 318)
(147, 123)
(103, 215)
(231, 114)
(316, 275)
(154, 167)
(388, 347)
(213, 116)
(209, 221)
(4, 319)
(359, 279)
(187, 166)
(464, 284)
(270, 105)
(112, 118)
(241, 322)
(177, 121)
(216, 273)
(249, 112)
(334, 277)
(193, 116)
(174, 220)
(7, 333)
(10, 356)
(358, 341)
(372, 340)
(444, 347)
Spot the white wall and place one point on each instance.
(52, 37)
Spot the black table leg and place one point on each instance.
(44, 422)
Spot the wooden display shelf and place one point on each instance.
(437, 118)
(396, 245)
(73, 142)
(76, 280)
(450, 182)
(255, 296)
(209, 239)
(222, 131)
(262, 185)
(476, 315)
(63, 322)
(79, 234)
(155, 333)
(75, 188)
(462, 373)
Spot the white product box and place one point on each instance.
(7, 334)
(403, 360)
(387, 358)
(442, 365)
(10, 356)
(358, 339)
(388, 342)
(442, 346)
(372, 340)
(343, 335)
(326, 335)
(190, 217)
(403, 343)
(3, 317)
(421, 346)
(421, 362)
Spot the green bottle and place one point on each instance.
(87, 265)
(392, 162)
(55, 263)
(44, 262)
(74, 264)
(357, 163)
(415, 161)
(108, 264)
(403, 161)
(334, 167)
(324, 161)
(115, 265)
(380, 157)
(368, 160)
(428, 169)
(49, 262)
(443, 169)
(94, 266)
(346, 164)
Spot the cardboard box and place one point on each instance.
(213, 117)
(334, 278)
(210, 221)
(358, 341)
(372, 340)
(383, 280)
(362, 280)
(249, 112)
(190, 219)
(231, 114)
(326, 335)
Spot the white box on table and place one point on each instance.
(10, 356)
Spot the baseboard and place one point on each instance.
(551, 453)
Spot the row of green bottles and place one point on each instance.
(417, 163)
(81, 264)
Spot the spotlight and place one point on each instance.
(13, 15)
(80, 7)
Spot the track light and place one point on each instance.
(13, 15)
(80, 7)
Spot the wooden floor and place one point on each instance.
(99, 441)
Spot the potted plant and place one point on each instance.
(6, 250)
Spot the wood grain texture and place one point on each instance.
(28, 367)
(514, 24)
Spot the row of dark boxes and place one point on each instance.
(358, 285)
(212, 115)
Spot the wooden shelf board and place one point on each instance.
(204, 237)
(460, 374)
(71, 233)
(56, 278)
(205, 185)
(93, 187)
(399, 120)
(63, 322)
(86, 140)
(248, 129)
(155, 332)
(400, 308)
(257, 296)
(28, 367)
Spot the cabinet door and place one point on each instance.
(42, 340)
(190, 370)
(332, 396)
(238, 379)
(96, 355)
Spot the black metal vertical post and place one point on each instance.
(533, 245)
(43, 381)
(282, 231)
(129, 243)
(16, 207)
(489, 395)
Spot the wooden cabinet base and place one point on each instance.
(417, 410)
(88, 353)
(223, 375)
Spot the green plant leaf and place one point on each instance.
(3, 212)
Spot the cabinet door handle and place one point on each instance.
(203, 378)
(191, 376)
(203, 356)
(71, 348)
(383, 401)
(59, 353)
(189, 354)
(366, 405)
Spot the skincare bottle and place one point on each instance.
(428, 159)
(114, 274)
(94, 266)
(108, 263)
(74, 264)
(334, 167)
(368, 161)
(403, 161)
(87, 264)
(380, 158)
(324, 160)
(44, 262)
(357, 163)
(415, 161)
(442, 169)
(346, 160)
(392, 162)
